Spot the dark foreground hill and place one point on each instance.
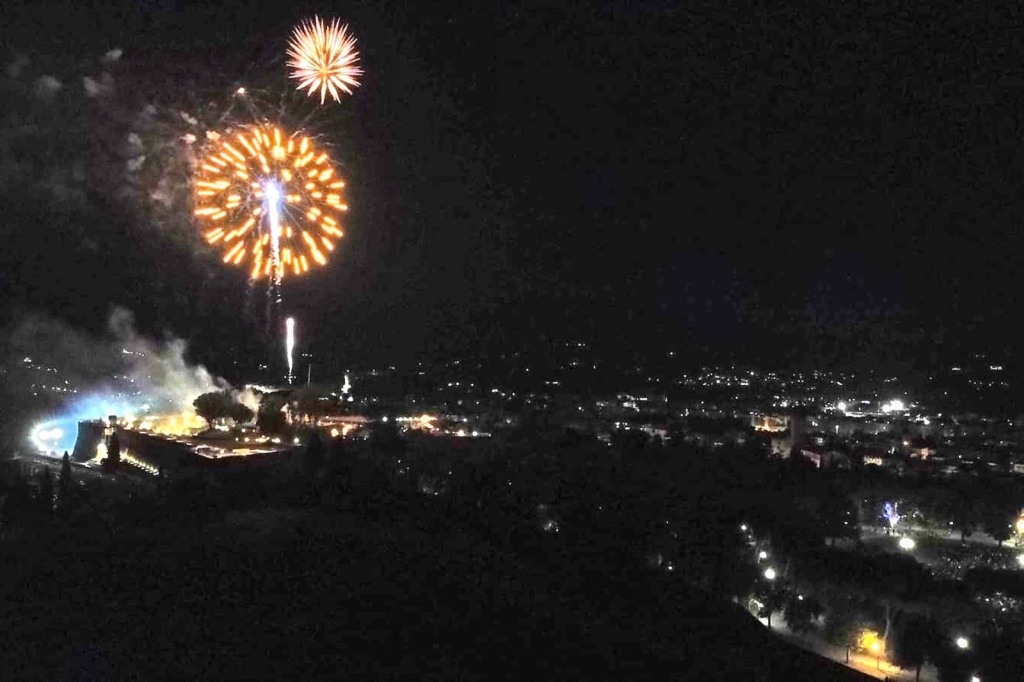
(397, 593)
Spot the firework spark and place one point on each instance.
(323, 57)
(270, 200)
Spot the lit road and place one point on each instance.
(869, 665)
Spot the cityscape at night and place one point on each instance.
(601, 341)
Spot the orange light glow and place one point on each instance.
(232, 188)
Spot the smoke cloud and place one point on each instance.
(69, 375)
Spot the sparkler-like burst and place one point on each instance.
(270, 199)
(324, 58)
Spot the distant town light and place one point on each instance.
(743, 528)
(907, 544)
(762, 555)
(963, 643)
(841, 406)
(770, 574)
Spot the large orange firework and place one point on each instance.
(324, 58)
(270, 200)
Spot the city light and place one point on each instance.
(1020, 525)
(769, 574)
(762, 555)
(842, 406)
(907, 544)
(1020, 560)
(891, 513)
(870, 641)
(963, 643)
(894, 406)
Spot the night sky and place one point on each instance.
(836, 183)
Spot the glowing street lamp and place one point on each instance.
(762, 555)
(770, 574)
(1020, 525)
(907, 544)
(1020, 560)
(963, 643)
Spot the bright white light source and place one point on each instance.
(289, 343)
(770, 574)
(894, 406)
(762, 555)
(1020, 560)
(962, 642)
(841, 406)
(907, 544)
(743, 528)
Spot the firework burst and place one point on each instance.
(270, 200)
(323, 57)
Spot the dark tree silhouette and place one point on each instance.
(269, 418)
(913, 640)
(65, 488)
(113, 458)
(314, 455)
(46, 494)
(838, 516)
(221, 405)
(801, 612)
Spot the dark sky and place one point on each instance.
(834, 181)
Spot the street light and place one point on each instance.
(877, 648)
(963, 643)
(770, 574)
(975, 678)
(762, 555)
(907, 544)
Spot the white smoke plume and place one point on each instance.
(121, 364)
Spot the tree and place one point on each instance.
(270, 417)
(221, 405)
(801, 612)
(314, 455)
(772, 598)
(913, 642)
(838, 516)
(999, 652)
(964, 513)
(240, 413)
(65, 488)
(46, 492)
(997, 519)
